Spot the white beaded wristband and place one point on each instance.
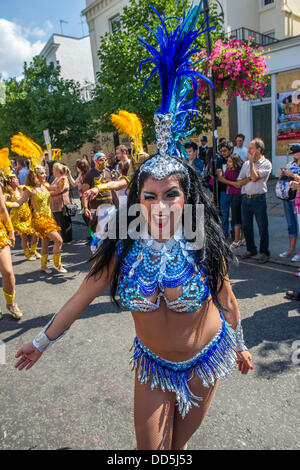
(239, 336)
(41, 341)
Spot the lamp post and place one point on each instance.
(212, 98)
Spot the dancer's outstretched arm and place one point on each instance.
(73, 308)
(103, 187)
(20, 202)
(231, 314)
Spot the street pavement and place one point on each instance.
(80, 393)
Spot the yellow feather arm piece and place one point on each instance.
(5, 163)
(129, 124)
(26, 147)
(123, 125)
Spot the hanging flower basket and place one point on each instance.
(237, 68)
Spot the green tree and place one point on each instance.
(42, 99)
(119, 84)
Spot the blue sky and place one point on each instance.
(26, 25)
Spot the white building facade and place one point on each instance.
(102, 16)
(275, 24)
(277, 18)
(75, 59)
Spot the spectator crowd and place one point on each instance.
(236, 179)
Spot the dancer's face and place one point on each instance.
(162, 203)
(41, 174)
(14, 182)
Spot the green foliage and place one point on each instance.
(119, 84)
(43, 100)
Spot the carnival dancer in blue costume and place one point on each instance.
(175, 283)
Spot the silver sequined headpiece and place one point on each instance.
(163, 164)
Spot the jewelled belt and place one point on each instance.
(216, 360)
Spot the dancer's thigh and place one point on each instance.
(153, 417)
(185, 427)
(5, 260)
(55, 237)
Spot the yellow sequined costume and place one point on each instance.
(42, 221)
(21, 216)
(4, 240)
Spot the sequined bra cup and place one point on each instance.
(151, 267)
(41, 202)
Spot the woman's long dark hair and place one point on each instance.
(237, 162)
(214, 255)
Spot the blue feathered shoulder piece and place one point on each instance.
(172, 62)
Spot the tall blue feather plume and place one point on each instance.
(172, 62)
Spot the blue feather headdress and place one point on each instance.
(172, 60)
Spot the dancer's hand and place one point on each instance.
(11, 236)
(91, 193)
(30, 355)
(244, 361)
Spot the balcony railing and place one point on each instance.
(246, 34)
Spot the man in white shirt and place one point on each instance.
(239, 147)
(257, 169)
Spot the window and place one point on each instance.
(115, 24)
(268, 89)
(265, 3)
(271, 34)
(262, 126)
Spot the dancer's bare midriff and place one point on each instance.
(177, 336)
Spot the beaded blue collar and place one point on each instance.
(154, 264)
(151, 266)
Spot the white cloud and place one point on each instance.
(16, 48)
(38, 32)
(48, 25)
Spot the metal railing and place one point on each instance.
(256, 38)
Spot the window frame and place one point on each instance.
(111, 20)
(267, 5)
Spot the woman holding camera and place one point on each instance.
(292, 170)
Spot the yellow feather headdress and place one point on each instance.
(129, 124)
(26, 147)
(5, 163)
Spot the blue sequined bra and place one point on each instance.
(151, 267)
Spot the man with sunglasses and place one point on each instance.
(99, 174)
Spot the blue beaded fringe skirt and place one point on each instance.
(215, 361)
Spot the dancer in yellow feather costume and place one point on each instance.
(21, 217)
(7, 239)
(129, 124)
(38, 191)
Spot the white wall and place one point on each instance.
(75, 58)
(272, 17)
(240, 13)
(293, 5)
(97, 17)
